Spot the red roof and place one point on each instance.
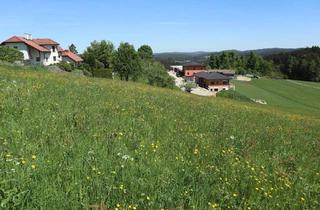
(71, 55)
(45, 42)
(31, 43)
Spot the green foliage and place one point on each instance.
(126, 62)
(188, 86)
(303, 64)
(157, 75)
(145, 52)
(69, 142)
(66, 66)
(251, 64)
(10, 55)
(73, 49)
(99, 55)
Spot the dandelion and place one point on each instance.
(23, 162)
(148, 198)
(235, 194)
(232, 137)
(34, 157)
(302, 199)
(118, 205)
(33, 166)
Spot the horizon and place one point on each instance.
(206, 26)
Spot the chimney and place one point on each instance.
(28, 36)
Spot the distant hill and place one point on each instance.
(201, 56)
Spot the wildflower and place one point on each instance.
(118, 205)
(23, 162)
(33, 166)
(232, 137)
(196, 151)
(116, 208)
(148, 198)
(34, 157)
(302, 199)
(235, 194)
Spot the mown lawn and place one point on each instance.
(70, 142)
(287, 95)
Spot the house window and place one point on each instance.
(38, 59)
(53, 48)
(15, 47)
(54, 58)
(46, 59)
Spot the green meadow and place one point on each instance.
(287, 95)
(70, 142)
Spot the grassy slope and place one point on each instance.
(130, 144)
(292, 96)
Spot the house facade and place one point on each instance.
(190, 69)
(213, 81)
(39, 51)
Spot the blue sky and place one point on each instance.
(167, 25)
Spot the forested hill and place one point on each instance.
(201, 56)
(302, 64)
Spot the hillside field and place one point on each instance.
(287, 95)
(71, 142)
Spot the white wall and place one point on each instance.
(21, 47)
(50, 56)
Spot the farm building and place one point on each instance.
(225, 72)
(190, 69)
(213, 81)
(41, 51)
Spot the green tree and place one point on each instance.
(10, 55)
(157, 75)
(126, 62)
(73, 49)
(99, 54)
(145, 52)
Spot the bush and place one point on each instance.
(157, 75)
(10, 55)
(66, 66)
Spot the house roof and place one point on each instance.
(31, 43)
(223, 71)
(45, 41)
(193, 64)
(71, 55)
(212, 76)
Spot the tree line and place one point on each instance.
(252, 64)
(126, 63)
(302, 64)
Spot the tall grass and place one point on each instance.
(70, 143)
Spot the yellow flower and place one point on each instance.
(34, 157)
(33, 166)
(118, 205)
(235, 194)
(148, 198)
(23, 162)
(134, 208)
(116, 208)
(302, 199)
(196, 151)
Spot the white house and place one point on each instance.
(41, 51)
